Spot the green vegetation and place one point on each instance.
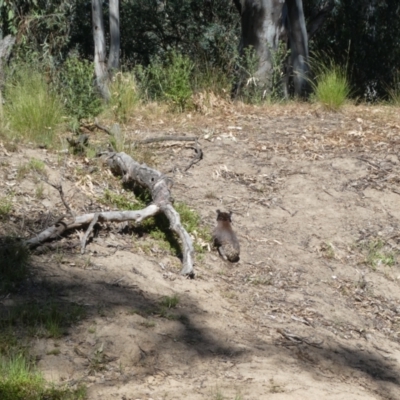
(34, 164)
(157, 227)
(44, 319)
(33, 111)
(378, 253)
(125, 96)
(5, 206)
(168, 81)
(14, 260)
(20, 381)
(169, 302)
(75, 82)
(331, 86)
(394, 90)
(253, 90)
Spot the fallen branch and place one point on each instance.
(159, 186)
(296, 339)
(166, 138)
(197, 157)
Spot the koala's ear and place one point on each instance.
(230, 213)
(218, 212)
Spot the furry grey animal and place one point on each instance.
(224, 238)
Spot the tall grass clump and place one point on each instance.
(169, 81)
(124, 95)
(331, 86)
(19, 380)
(394, 90)
(32, 110)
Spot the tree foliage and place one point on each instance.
(363, 34)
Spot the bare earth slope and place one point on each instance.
(311, 311)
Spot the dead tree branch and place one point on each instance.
(167, 138)
(159, 186)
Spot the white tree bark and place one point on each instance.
(113, 58)
(101, 71)
(264, 23)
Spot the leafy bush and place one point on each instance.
(32, 109)
(169, 81)
(75, 82)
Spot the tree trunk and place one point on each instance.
(266, 22)
(113, 59)
(102, 77)
(298, 40)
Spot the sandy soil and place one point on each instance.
(311, 311)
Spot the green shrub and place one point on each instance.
(32, 109)
(169, 81)
(331, 86)
(75, 82)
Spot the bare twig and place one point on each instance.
(60, 190)
(87, 233)
(198, 156)
(299, 339)
(166, 138)
(102, 128)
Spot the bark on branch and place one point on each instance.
(159, 186)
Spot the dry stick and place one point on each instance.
(87, 233)
(198, 156)
(102, 128)
(60, 190)
(299, 339)
(166, 138)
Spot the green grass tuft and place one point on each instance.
(19, 380)
(5, 208)
(124, 96)
(331, 86)
(33, 111)
(169, 302)
(46, 319)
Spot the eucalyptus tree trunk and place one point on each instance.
(101, 71)
(298, 43)
(113, 59)
(264, 23)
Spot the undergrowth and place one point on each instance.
(32, 110)
(14, 260)
(157, 227)
(19, 380)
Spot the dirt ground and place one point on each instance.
(311, 310)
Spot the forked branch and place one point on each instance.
(159, 186)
